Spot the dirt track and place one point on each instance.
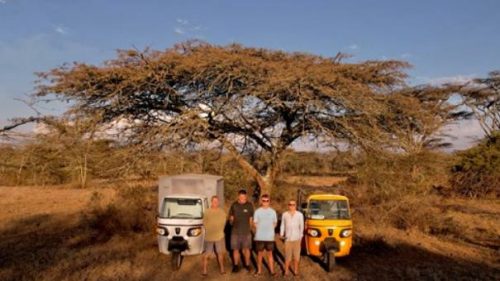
(43, 237)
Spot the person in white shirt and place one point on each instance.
(292, 231)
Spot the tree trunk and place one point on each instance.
(265, 182)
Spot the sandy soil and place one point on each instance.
(43, 237)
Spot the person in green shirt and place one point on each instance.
(214, 221)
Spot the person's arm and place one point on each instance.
(282, 226)
(275, 219)
(251, 214)
(255, 220)
(231, 214)
(301, 226)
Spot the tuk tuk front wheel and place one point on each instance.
(176, 260)
(329, 260)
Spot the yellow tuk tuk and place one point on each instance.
(328, 226)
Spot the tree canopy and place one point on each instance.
(482, 97)
(250, 100)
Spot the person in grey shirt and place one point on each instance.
(292, 231)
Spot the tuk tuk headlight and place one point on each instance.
(161, 231)
(196, 231)
(346, 233)
(313, 232)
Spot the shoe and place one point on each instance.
(247, 267)
(236, 269)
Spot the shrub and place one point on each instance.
(477, 171)
(132, 211)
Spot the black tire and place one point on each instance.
(329, 260)
(176, 260)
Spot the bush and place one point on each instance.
(477, 171)
(392, 176)
(133, 211)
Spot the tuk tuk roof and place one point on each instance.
(326, 196)
(194, 176)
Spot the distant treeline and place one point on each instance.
(57, 158)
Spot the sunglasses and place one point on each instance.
(265, 201)
(290, 204)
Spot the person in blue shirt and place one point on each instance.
(265, 220)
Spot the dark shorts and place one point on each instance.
(241, 241)
(264, 245)
(218, 246)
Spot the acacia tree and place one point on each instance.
(482, 97)
(247, 100)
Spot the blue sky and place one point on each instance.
(443, 40)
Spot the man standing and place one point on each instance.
(292, 230)
(214, 221)
(240, 217)
(265, 220)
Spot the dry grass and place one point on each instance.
(314, 181)
(24, 202)
(53, 233)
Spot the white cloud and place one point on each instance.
(463, 134)
(406, 55)
(182, 21)
(188, 29)
(457, 79)
(179, 30)
(61, 30)
(353, 46)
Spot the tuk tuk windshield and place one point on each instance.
(328, 209)
(182, 208)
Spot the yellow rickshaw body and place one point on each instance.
(327, 228)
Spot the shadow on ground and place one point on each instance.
(45, 247)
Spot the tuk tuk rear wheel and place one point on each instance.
(176, 260)
(329, 260)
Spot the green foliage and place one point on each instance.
(477, 171)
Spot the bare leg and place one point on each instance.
(259, 261)
(205, 262)
(287, 266)
(236, 257)
(296, 266)
(270, 261)
(220, 258)
(246, 254)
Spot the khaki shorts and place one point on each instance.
(292, 250)
(219, 247)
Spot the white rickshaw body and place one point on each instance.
(182, 202)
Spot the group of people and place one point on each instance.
(243, 220)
